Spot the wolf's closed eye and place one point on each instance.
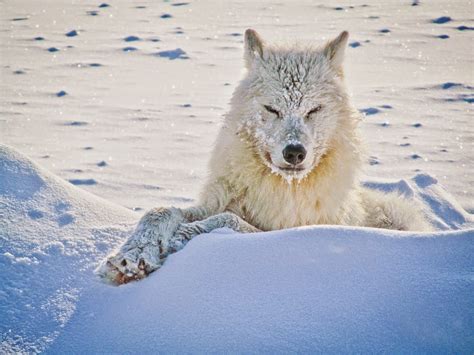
(272, 110)
(313, 111)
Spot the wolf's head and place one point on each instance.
(291, 103)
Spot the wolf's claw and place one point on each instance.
(121, 269)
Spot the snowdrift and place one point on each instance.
(318, 288)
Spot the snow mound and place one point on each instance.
(318, 288)
(442, 210)
(51, 234)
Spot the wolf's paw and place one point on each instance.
(145, 250)
(132, 265)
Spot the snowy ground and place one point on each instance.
(136, 127)
(319, 288)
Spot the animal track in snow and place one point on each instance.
(132, 38)
(177, 53)
(441, 20)
(83, 181)
(369, 111)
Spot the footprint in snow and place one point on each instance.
(177, 53)
(129, 49)
(465, 28)
(72, 33)
(86, 65)
(385, 30)
(369, 111)
(354, 44)
(451, 85)
(373, 160)
(76, 123)
(131, 39)
(65, 219)
(83, 182)
(441, 20)
(35, 214)
(61, 93)
(165, 16)
(61, 207)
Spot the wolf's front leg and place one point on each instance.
(149, 245)
(230, 220)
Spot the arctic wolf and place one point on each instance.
(287, 155)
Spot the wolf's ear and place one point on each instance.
(253, 47)
(334, 49)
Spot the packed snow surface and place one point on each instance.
(318, 288)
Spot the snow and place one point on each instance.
(134, 102)
(50, 236)
(135, 126)
(308, 290)
(318, 288)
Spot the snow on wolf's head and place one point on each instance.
(291, 102)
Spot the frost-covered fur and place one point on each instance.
(292, 97)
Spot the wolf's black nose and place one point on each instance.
(294, 153)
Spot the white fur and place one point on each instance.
(249, 175)
(294, 80)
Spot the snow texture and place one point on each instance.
(317, 288)
(133, 101)
(51, 235)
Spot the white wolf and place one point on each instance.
(288, 155)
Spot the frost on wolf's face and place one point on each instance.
(291, 102)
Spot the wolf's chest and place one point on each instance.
(270, 209)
